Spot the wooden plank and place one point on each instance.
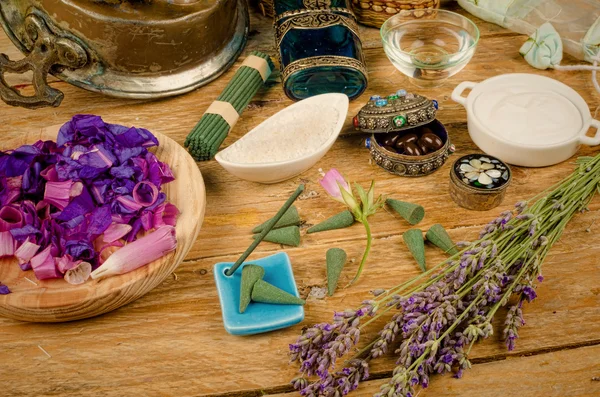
(556, 374)
(173, 337)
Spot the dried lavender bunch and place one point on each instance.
(437, 317)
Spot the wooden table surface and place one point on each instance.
(172, 341)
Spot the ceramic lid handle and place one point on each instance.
(457, 93)
(591, 140)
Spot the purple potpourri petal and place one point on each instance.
(134, 137)
(122, 171)
(80, 205)
(99, 221)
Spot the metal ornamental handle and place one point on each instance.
(47, 50)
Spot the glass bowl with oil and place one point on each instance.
(429, 46)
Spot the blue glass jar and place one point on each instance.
(319, 47)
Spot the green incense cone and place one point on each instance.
(290, 218)
(413, 213)
(336, 259)
(339, 221)
(414, 240)
(250, 275)
(438, 236)
(286, 235)
(267, 293)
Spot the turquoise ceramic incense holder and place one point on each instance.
(258, 317)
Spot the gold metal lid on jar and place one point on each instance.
(479, 181)
(396, 112)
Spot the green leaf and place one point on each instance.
(363, 197)
(351, 202)
(371, 194)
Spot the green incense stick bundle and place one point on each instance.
(204, 140)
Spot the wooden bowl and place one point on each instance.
(56, 301)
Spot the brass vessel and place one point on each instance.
(123, 48)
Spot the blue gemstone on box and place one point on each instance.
(258, 317)
(381, 102)
(375, 97)
(368, 143)
(401, 92)
(436, 105)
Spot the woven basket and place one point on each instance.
(376, 12)
(369, 12)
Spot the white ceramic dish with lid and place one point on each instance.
(289, 142)
(527, 119)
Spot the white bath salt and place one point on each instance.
(289, 136)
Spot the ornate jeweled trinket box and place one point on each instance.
(479, 181)
(406, 139)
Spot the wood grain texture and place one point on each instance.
(55, 300)
(171, 342)
(555, 374)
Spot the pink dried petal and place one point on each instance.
(12, 189)
(129, 204)
(76, 189)
(26, 251)
(116, 231)
(157, 217)
(145, 199)
(146, 219)
(138, 253)
(165, 214)
(170, 214)
(97, 194)
(14, 183)
(50, 174)
(332, 182)
(58, 193)
(43, 265)
(42, 209)
(7, 244)
(108, 249)
(78, 274)
(65, 263)
(10, 218)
